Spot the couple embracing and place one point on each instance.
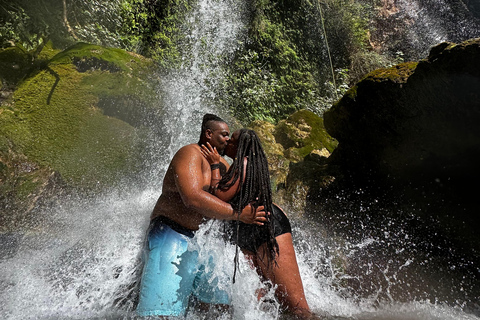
(200, 185)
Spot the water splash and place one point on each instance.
(74, 266)
(83, 262)
(213, 32)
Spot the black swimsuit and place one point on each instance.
(251, 237)
(159, 221)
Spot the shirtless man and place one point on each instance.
(170, 275)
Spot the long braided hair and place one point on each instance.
(255, 188)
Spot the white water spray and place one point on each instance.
(82, 262)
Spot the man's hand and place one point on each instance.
(252, 215)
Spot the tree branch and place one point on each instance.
(65, 21)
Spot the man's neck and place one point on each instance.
(201, 142)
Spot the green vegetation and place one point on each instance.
(31, 24)
(147, 27)
(285, 65)
(151, 27)
(54, 81)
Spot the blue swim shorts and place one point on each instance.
(172, 274)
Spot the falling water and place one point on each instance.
(412, 27)
(83, 261)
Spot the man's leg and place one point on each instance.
(168, 274)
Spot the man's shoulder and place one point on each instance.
(188, 152)
(193, 147)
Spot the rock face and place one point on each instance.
(413, 121)
(414, 127)
(297, 150)
(70, 119)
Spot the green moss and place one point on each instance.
(55, 119)
(101, 153)
(93, 57)
(26, 186)
(47, 52)
(3, 144)
(351, 93)
(303, 132)
(397, 74)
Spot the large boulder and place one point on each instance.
(413, 128)
(413, 122)
(70, 120)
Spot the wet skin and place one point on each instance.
(185, 198)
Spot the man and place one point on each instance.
(170, 275)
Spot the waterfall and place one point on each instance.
(412, 27)
(82, 262)
(213, 31)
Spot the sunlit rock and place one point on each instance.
(297, 149)
(74, 118)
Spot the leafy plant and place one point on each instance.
(151, 27)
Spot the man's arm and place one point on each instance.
(187, 166)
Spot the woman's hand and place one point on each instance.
(210, 153)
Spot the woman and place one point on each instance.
(270, 246)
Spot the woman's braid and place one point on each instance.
(256, 188)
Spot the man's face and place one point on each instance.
(218, 135)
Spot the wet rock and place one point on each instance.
(413, 121)
(72, 119)
(297, 149)
(412, 131)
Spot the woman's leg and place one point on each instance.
(286, 275)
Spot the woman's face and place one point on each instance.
(232, 145)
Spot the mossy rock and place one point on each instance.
(89, 57)
(277, 163)
(412, 131)
(47, 52)
(294, 175)
(61, 116)
(301, 133)
(397, 74)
